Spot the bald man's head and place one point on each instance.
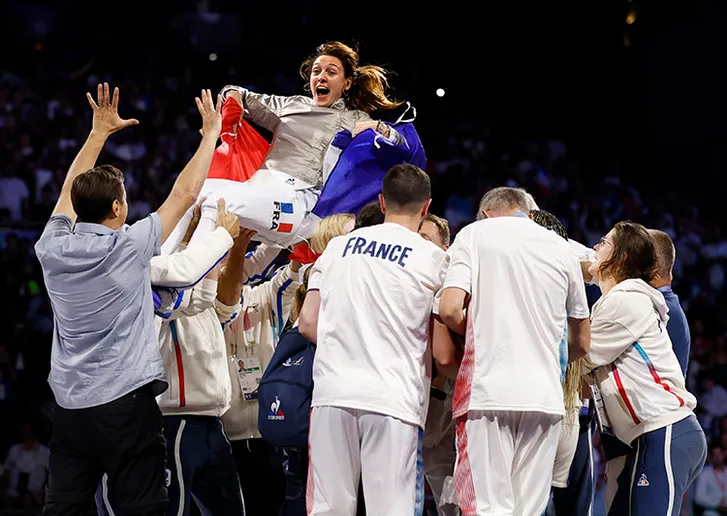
(665, 256)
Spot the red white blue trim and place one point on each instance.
(654, 374)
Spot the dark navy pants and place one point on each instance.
(660, 469)
(577, 498)
(260, 469)
(200, 465)
(295, 464)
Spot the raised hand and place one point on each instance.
(243, 240)
(229, 221)
(211, 114)
(237, 96)
(106, 119)
(196, 215)
(372, 124)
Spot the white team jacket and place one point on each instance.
(190, 331)
(253, 328)
(632, 362)
(186, 267)
(193, 350)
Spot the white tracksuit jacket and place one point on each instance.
(193, 350)
(190, 331)
(186, 267)
(632, 362)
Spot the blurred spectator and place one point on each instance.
(718, 360)
(710, 493)
(713, 401)
(8, 382)
(26, 466)
(13, 191)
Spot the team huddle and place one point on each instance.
(378, 356)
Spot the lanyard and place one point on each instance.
(246, 326)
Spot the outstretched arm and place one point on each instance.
(264, 110)
(236, 95)
(383, 129)
(173, 304)
(106, 121)
(230, 282)
(258, 264)
(187, 267)
(188, 185)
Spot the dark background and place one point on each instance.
(562, 69)
(639, 109)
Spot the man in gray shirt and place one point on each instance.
(106, 367)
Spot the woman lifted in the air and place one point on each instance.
(277, 199)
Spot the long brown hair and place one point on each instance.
(633, 255)
(369, 85)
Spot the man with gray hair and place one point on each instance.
(532, 206)
(519, 283)
(585, 255)
(503, 198)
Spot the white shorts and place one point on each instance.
(505, 462)
(346, 445)
(272, 203)
(567, 445)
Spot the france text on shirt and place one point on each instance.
(392, 252)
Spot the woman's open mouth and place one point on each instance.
(322, 92)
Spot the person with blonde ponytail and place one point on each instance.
(569, 433)
(329, 228)
(287, 353)
(277, 199)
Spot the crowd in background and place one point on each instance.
(41, 130)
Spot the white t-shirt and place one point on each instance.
(32, 462)
(524, 281)
(377, 286)
(13, 191)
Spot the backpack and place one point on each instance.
(285, 392)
